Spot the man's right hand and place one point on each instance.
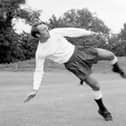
(30, 96)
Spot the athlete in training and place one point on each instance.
(79, 60)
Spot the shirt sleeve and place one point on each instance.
(71, 32)
(38, 74)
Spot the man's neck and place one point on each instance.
(43, 40)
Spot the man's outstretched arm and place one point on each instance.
(37, 77)
(72, 32)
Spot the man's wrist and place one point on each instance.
(94, 33)
(35, 90)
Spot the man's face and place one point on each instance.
(44, 32)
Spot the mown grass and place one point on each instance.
(29, 65)
(61, 101)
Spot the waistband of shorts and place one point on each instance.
(73, 55)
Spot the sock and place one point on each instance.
(116, 68)
(100, 104)
(99, 101)
(97, 94)
(81, 82)
(114, 61)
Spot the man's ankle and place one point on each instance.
(101, 104)
(116, 68)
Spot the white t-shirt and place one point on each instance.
(56, 48)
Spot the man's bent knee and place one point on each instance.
(105, 54)
(96, 88)
(92, 83)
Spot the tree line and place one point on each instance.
(15, 47)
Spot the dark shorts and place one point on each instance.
(81, 61)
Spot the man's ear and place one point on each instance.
(38, 35)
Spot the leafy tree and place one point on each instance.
(56, 22)
(122, 34)
(9, 45)
(29, 45)
(117, 43)
(85, 19)
(30, 16)
(14, 47)
(79, 18)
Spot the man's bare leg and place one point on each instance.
(109, 56)
(102, 110)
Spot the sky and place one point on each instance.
(112, 12)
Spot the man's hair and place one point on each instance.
(38, 23)
(35, 32)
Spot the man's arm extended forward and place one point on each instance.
(37, 77)
(72, 32)
(38, 74)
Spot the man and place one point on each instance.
(53, 45)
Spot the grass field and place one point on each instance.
(61, 101)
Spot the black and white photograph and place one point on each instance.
(62, 63)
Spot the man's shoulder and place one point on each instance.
(54, 30)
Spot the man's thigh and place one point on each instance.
(104, 54)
